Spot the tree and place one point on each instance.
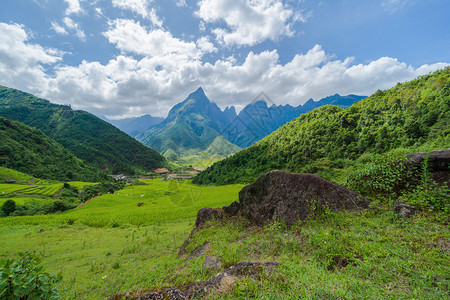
(9, 207)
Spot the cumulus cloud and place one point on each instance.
(126, 86)
(141, 7)
(74, 7)
(168, 69)
(21, 62)
(129, 36)
(249, 22)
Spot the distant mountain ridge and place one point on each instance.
(191, 124)
(412, 115)
(196, 122)
(258, 119)
(97, 142)
(133, 126)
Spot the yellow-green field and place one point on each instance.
(112, 245)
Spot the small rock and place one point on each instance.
(199, 251)
(212, 263)
(404, 210)
(205, 214)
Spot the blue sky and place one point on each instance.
(123, 58)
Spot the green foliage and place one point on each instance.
(88, 137)
(411, 115)
(9, 207)
(29, 150)
(428, 195)
(99, 189)
(382, 175)
(25, 279)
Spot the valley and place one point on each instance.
(110, 237)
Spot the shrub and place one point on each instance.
(9, 207)
(428, 194)
(383, 175)
(25, 279)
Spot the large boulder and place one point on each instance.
(438, 163)
(278, 195)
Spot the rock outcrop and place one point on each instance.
(206, 214)
(404, 210)
(278, 195)
(438, 163)
(223, 282)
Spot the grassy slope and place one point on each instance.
(28, 150)
(87, 136)
(412, 115)
(389, 258)
(9, 174)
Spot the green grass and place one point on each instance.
(80, 184)
(7, 188)
(162, 201)
(8, 174)
(25, 200)
(111, 245)
(43, 189)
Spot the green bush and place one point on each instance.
(383, 175)
(25, 279)
(428, 194)
(9, 207)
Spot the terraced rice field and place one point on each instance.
(6, 188)
(45, 190)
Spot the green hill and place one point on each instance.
(410, 115)
(88, 137)
(28, 150)
(191, 126)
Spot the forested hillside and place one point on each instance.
(88, 137)
(191, 126)
(410, 115)
(30, 151)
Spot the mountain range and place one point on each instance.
(133, 126)
(91, 139)
(412, 115)
(194, 124)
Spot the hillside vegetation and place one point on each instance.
(88, 137)
(192, 126)
(413, 115)
(30, 151)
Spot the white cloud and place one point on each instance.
(141, 7)
(171, 68)
(59, 29)
(74, 7)
(249, 21)
(181, 3)
(21, 62)
(204, 44)
(129, 36)
(126, 86)
(76, 27)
